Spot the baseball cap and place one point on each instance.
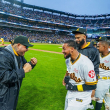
(102, 39)
(22, 40)
(94, 42)
(80, 30)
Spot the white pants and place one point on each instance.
(107, 100)
(71, 106)
(76, 108)
(109, 83)
(101, 90)
(77, 100)
(107, 96)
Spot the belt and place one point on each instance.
(105, 77)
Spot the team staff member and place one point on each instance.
(80, 78)
(13, 67)
(104, 76)
(87, 49)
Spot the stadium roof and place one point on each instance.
(55, 11)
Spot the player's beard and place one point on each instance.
(69, 55)
(80, 43)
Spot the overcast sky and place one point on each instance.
(80, 7)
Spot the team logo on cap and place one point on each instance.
(77, 29)
(100, 38)
(91, 74)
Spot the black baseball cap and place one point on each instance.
(80, 30)
(22, 40)
(102, 39)
(94, 42)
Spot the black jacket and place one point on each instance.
(10, 80)
(93, 54)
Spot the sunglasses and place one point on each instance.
(27, 47)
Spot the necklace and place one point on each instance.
(75, 59)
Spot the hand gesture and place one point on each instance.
(33, 61)
(27, 67)
(66, 79)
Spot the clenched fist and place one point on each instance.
(33, 61)
(27, 67)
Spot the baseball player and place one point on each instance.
(80, 78)
(104, 76)
(102, 38)
(2, 40)
(87, 49)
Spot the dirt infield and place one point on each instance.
(45, 51)
(37, 49)
(4, 44)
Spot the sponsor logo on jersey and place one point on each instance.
(75, 70)
(106, 61)
(91, 74)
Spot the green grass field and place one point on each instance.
(42, 88)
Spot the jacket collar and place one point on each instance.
(87, 45)
(11, 49)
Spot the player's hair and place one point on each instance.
(71, 43)
(104, 43)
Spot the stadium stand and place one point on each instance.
(43, 25)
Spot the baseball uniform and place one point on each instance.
(81, 72)
(104, 79)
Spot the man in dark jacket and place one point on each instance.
(13, 67)
(87, 49)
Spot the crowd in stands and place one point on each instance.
(45, 16)
(38, 15)
(106, 33)
(8, 33)
(22, 22)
